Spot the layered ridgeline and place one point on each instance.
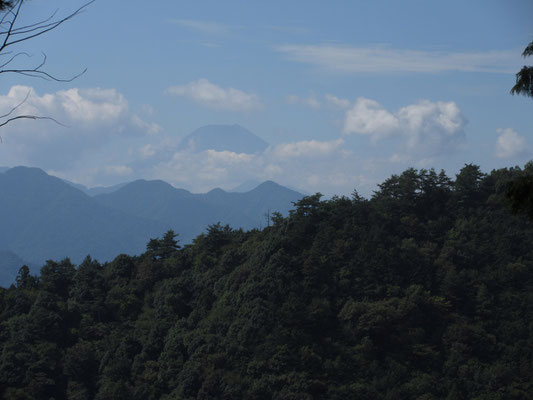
(45, 218)
(425, 291)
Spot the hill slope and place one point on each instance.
(189, 214)
(45, 218)
(10, 264)
(424, 291)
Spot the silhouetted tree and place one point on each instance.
(163, 248)
(520, 191)
(524, 78)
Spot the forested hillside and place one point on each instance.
(424, 291)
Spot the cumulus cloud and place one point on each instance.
(86, 106)
(90, 105)
(313, 164)
(310, 101)
(148, 127)
(210, 95)
(228, 157)
(204, 170)
(82, 108)
(336, 101)
(379, 59)
(91, 120)
(368, 117)
(307, 148)
(510, 144)
(147, 151)
(430, 126)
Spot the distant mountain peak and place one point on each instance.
(245, 186)
(234, 138)
(26, 171)
(216, 191)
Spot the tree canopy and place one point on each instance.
(524, 78)
(424, 291)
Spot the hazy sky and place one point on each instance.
(345, 92)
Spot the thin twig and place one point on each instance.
(18, 31)
(22, 53)
(17, 106)
(30, 117)
(34, 117)
(50, 27)
(38, 73)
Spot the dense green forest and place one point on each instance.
(423, 291)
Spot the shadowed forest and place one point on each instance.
(424, 291)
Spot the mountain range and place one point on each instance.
(44, 217)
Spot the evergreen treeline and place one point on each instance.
(425, 291)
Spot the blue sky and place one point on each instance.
(345, 92)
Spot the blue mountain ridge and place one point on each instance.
(46, 218)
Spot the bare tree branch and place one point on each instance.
(12, 58)
(11, 24)
(17, 106)
(38, 73)
(45, 28)
(12, 35)
(32, 27)
(28, 117)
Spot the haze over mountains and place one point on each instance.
(233, 138)
(44, 217)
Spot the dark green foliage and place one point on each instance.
(519, 192)
(424, 291)
(524, 77)
(165, 247)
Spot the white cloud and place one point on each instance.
(148, 127)
(82, 108)
(147, 151)
(510, 144)
(336, 101)
(86, 106)
(437, 125)
(92, 121)
(311, 165)
(307, 148)
(310, 101)
(91, 105)
(368, 117)
(429, 126)
(379, 59)
(210, 95)
(228, 157)
(289, 164)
